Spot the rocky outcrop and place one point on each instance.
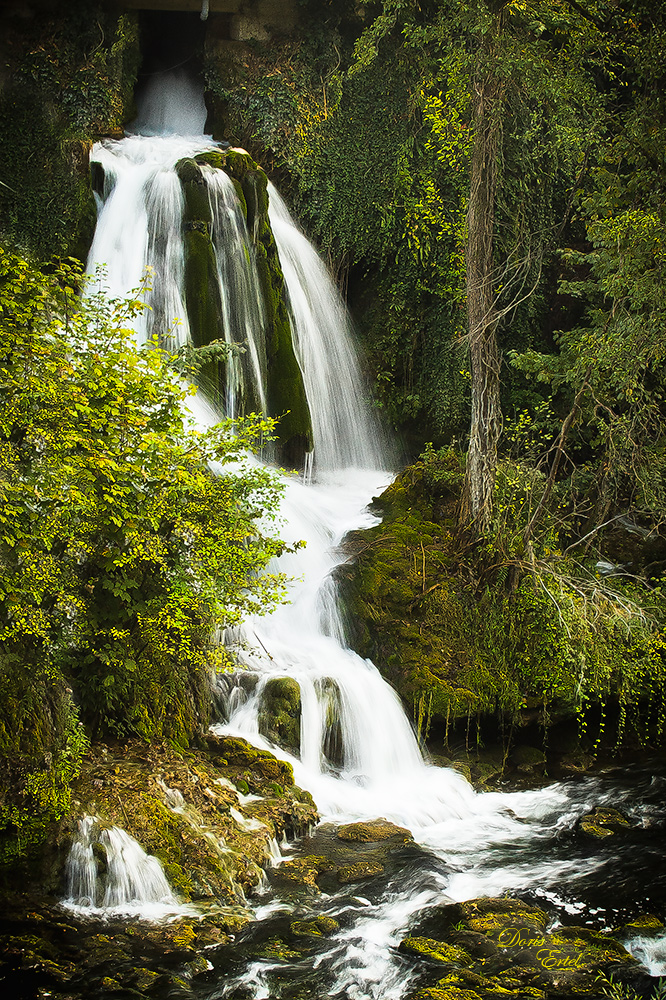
(280, 715)
(285, 390)
(504, 947)
(474, 649)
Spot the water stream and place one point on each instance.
(359, 756)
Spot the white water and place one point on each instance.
(651, 952)
(345, 433)
(129, 881)
(359, 756)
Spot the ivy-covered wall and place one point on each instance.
(69, 79)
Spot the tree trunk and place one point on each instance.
(477, 501)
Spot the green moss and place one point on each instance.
(56, 100)
(255, 191)
(594, 830)
(286, 391)
(239, 163)
(602, 822)
(436, 951)
(276, 949)
(321, 926)
(286, 396)
(458, 653)
(370, 832)
(41, 748)
(213, 157)
(302, 871)
(489, 915)
(202, 295)
(202, 299)
(647, 924)
(359, 871)
(237, 751)
(280, 714)
(197, 203)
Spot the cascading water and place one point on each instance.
(107, 870)
(358, 754)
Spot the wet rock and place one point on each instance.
(238, 751)
(302, 871)
(463, 767)
(278, 950)
(185, 810)
(485, 765)
(359, 872)
(198, 966)
(280, 714)
(467, 985)
(524, 958)
(333, 743)
(577, 763)
(647, 925)
(321, 926)
(435, 951)
(102, 949)
(478, 945)
(602, 822)
(145, 979)
(178, 987)
(487, 915)
(110, 985)
(373, 831)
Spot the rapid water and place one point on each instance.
(128, 881)
(359, 756)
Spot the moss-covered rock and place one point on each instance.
(182, 807)
(286, 398)
(373, 831)
(280, 714)
(435, 951)
(602, 822)
(359, 871)
(286, 391)
(647, 925)
(523, 958)
(302, 872)
(320, 926)
(467, 658)
(197, 206)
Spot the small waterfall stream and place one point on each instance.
(108, 870)
(359, 756)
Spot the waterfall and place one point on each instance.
(108, 870)
(358, 752)
(141, 221)
(351, 744)
(344, 429)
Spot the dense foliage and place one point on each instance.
(121, 553)
(69, 75)
(515, 649)
(372, 115)
(369, 116)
